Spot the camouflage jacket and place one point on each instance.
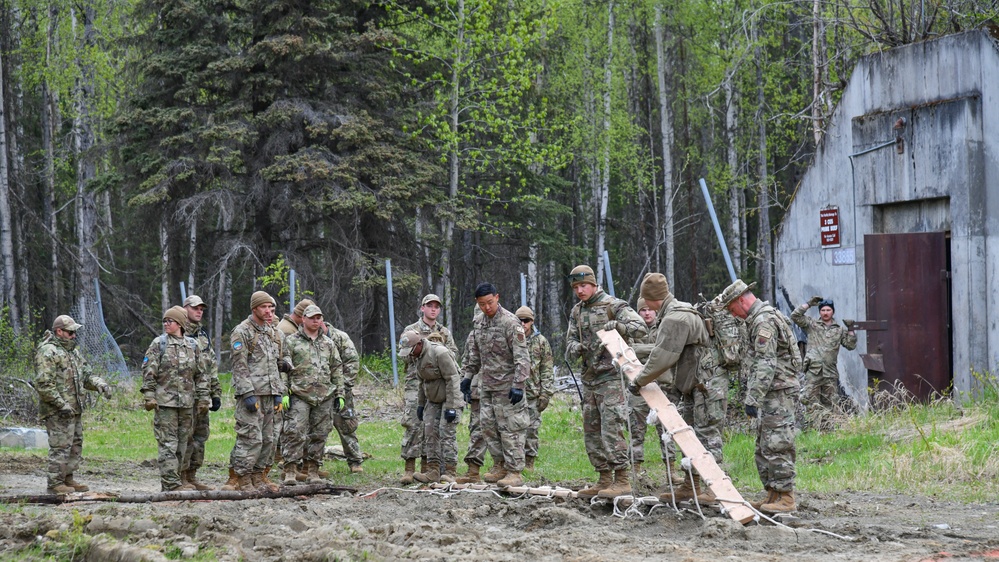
(62, 374)
(680, 340)
(348, 355)
(173, 372)
(586, 319)
(497, 352)
(256, 351)
(823, 339)
(425, 329)
(209, 362)
(317, 372)
(439, 376)
(542, 380)
(773, 353)
(728, 340)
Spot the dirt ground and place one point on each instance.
(397, 524)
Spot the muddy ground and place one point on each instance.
(398, 524)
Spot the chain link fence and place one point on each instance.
(95, 341)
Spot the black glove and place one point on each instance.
(516, 395)
(284, 367)
(419, 413)
(814, 301)
(466, 389)
(216, 404)
(752, 411)
(634, 388)
(251, 403)
(450, 415)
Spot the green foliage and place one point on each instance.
(278, 274)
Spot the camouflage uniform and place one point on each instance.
(821, 375)
(439, 379)
(497, 354)
(314, 383)
(210, 367)
(674, 361)
(639, 409)
(63, 373)
(773, 388)
(540, 387)
(476, 442)
(412, 439)
(345, 421)
(605, 406)
(255, 352)
(173, 375)
(719, 361)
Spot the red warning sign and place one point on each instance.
(829, 233)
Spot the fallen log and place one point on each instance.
(547, 491)
(192, 495)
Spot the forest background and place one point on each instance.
(223, 142)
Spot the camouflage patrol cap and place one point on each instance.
(407, 341)
(194, 301)
(312, 310)
(301, 306)
(525, 313)
(431, 298)
(177, 314)
(64, 322)
(734, 291)
(582, 274)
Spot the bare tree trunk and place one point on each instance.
(83, 134)
(606, 172)
(818, 64)
(663, 67)
(532, 277)
(165, 264)
(454, 164)
(192, 240)
(763, 236)
(421, 240)
(732, 157)
(7, 280)
(49, 119)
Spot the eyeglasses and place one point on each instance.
(526, 320)
(169, 321)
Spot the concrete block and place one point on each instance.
(28, 438)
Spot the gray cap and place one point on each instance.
(312, 310)
(64, 322)
(194, 301)
(407, 341)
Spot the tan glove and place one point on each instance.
(849, 324)
(814, 301)
(203, 407)
(149, 405)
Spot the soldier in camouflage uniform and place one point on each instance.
(345, 419)
(476, 455)
(315, 391)
(605, 406)
(440, 402)
(258, 385)
(639, 408)
(497, 354)
(825, 337)
(771, 393)
(195, 308)
(541, 385)
(412, 439)
(63, 373)
(174, 384)
(681, 339)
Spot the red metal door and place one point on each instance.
(908, 290)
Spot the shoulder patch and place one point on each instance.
(764, 336)
(237, 345)
(145, 360)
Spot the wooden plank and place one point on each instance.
(703, 462)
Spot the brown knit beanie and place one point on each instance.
(655, 287)
(301, 306)
(525, 313)
(260, 297)
(641, 304)
(178, 315)
(582, 274)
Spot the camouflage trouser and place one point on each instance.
(821, 388)
(531, 439)
(504, 427)
(255, 436)
(65, 431)
(709, 405)
(440, 437)
(172, 428)
(412, 438)
(305, 430)
(605, 417)
(476, 442)
(196, 445)
(345, 422)
(775, 452)
(639, 412)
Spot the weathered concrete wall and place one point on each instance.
(947, 178)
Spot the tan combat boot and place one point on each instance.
(61, 489)
(620, 487)
(312, 472)
(430, 474)
(704, 494)
(472, 476)
(355, 468)
(233, 483)
(324, 474)
(407, 477)
(185, 486)
(606, 480)
(528, 463)
(77, 487)
(783, 503)
(244, 483)
(496, 473)
(683, 492)
(450, 473)
(192, 478)
(771, 496)
(290, 474)
(511, 479)
(259, 481)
